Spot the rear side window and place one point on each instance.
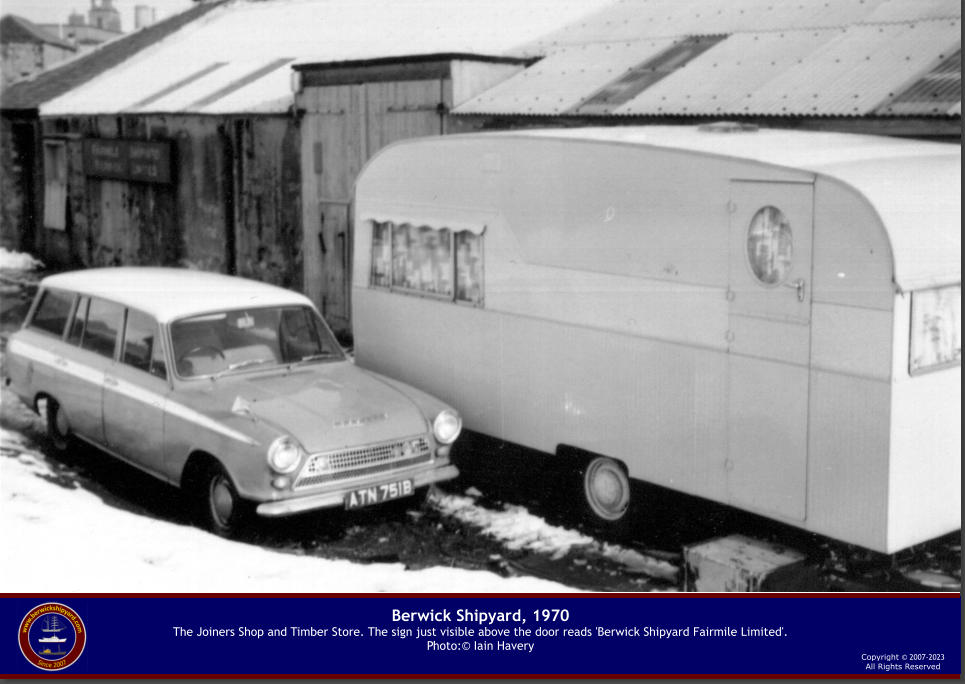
(52, 312)
(103, 321)
(141, 344)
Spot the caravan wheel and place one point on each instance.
(606, 489)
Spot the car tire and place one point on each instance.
(57, 427)
(605, 488)
(220, 508)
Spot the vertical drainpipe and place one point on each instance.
(232, 146)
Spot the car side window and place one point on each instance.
(103, 322)
(141, 343)
(76, 332)
(52, 312)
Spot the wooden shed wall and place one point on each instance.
(233, 204)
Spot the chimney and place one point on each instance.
(143, 16)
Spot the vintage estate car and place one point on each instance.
(234, 390)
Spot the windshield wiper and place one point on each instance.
(241, 364)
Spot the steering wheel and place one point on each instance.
(201, 348)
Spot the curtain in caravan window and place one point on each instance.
(55, 185)
(381, 254)
(469, 274)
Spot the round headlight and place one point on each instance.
(283, 455)
(447, 426)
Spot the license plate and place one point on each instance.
(375, 494)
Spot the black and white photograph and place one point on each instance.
(480, 296)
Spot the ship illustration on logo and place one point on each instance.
(52, 626)
(52, 636)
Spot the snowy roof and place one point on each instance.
(911, 185)
(758, 57)
(171, 293)
(238, 57)
(29, 94)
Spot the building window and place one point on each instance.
(55, 184)
(769, 246)
(421, 259)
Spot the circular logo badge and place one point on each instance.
(52, 636)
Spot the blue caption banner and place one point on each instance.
(685, 634)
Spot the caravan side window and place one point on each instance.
(426, 260)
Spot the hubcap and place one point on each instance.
(607, 489)
(222, 500)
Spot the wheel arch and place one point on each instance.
(196, 464)
(584, 456)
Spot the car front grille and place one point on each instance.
(361, 461)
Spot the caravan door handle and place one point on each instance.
(800, 286)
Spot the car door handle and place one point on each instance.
(60, 361)
(110, 382)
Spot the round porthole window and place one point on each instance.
(769, 246)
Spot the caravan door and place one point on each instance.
(769, 344)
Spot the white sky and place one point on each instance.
(57, 11)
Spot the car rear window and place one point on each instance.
(103, 321)
(52, 312)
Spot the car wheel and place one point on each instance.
(221, 508)
(58, 427)
(606, 489)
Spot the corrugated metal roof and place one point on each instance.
(628, 20)
(567, 77)
(723, 79)
(937, 92)
(846, 73)
(247, 35)
(858, 70)
(903, 10)
(842, 71)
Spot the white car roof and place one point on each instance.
(171, 293)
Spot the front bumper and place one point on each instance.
(336, 497)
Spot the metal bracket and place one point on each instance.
(800, 286)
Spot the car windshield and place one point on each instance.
(227, 341)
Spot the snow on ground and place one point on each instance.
(519, 529)
(57, 536)
(18, 261)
